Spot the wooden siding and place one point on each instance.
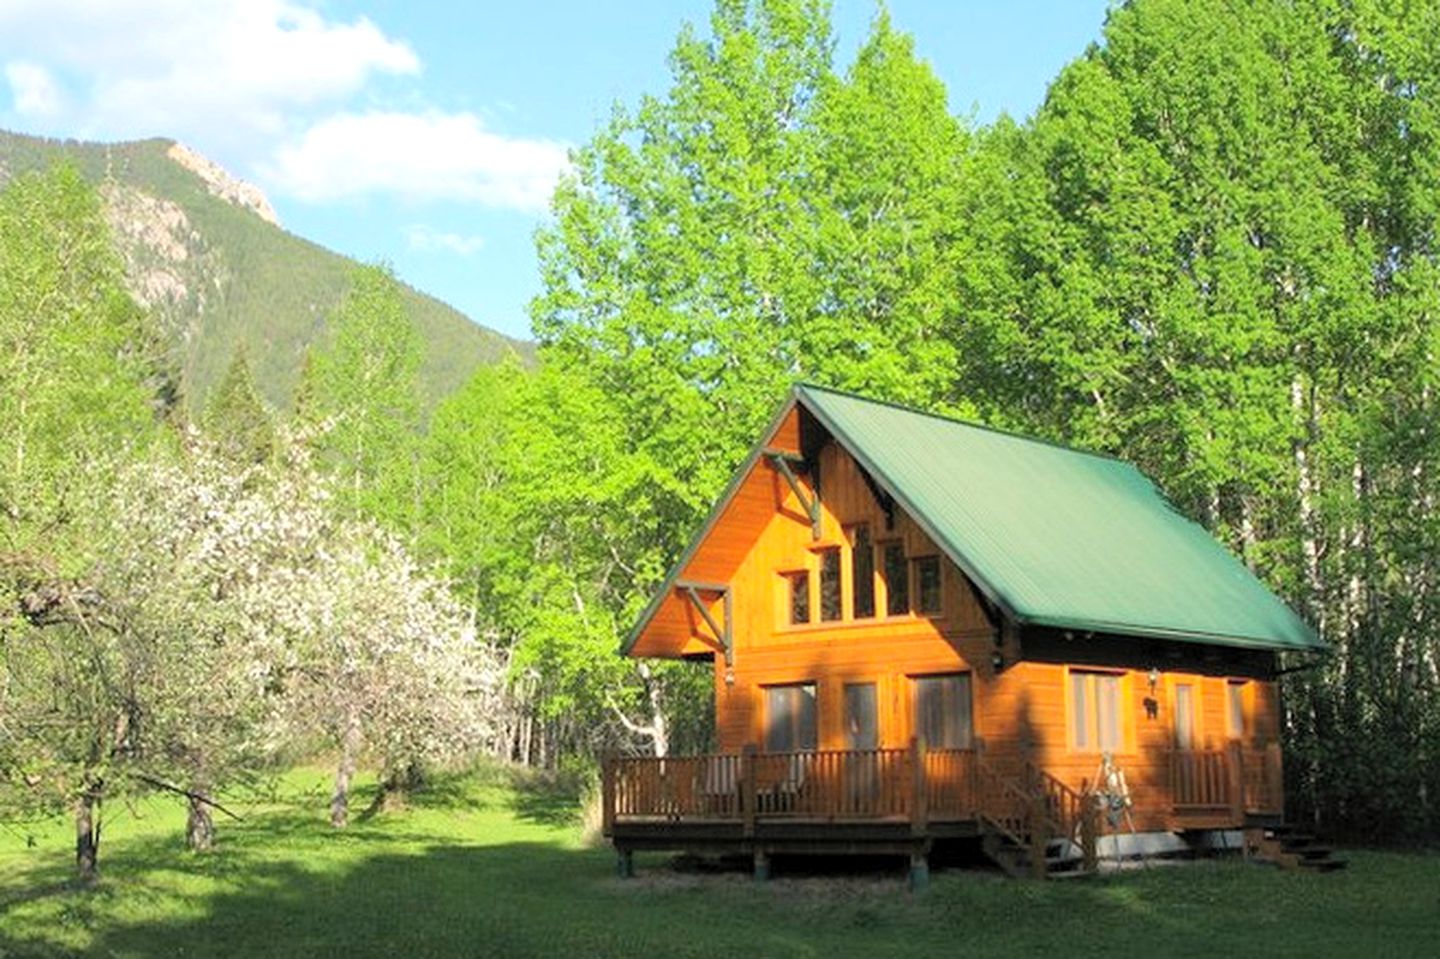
(1022, 711)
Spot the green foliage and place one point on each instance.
(548, 521)
(365, 388)
(236, 418)
(242, 281)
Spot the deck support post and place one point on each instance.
(919, 871)
(624, 864)
(762, 865)
(919, 810)
(748, 791)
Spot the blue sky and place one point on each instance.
(428, 134)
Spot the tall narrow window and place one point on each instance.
(1185, 716)
(862, 716)
(790, 718)
(942, 710)
(1235, 707)
(831, 602)
(862, 571)
(1095, 710)
(897, 580)
(799, 584)
(927, 584)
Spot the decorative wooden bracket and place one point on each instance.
(782, 460)
(723, 641)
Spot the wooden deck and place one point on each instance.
(897, 801)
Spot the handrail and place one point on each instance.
(834, 784)
(1064, 806)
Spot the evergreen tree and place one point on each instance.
(236, 418)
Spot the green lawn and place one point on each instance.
(490, 871)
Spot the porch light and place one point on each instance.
(729, 675)
(997, 659)
(1154, 679)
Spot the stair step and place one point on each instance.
(1323, 865)
(1310, 852)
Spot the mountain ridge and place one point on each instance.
(205, 252)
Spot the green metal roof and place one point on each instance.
(1057, 536)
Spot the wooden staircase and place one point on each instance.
(1038, 826)
(1291, 848)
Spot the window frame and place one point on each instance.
(797, 729)
(1237, 696)
(852, 536)
(882, 572)
(917, 715)
(1092, 734)
(916, 590)
(1196, 689)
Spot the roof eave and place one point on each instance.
(751, 461)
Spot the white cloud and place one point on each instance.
(203, 70)
(429, 156)
(36, 94)
(426, 239)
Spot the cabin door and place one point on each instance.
(862, 738)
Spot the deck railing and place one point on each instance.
(846, 784)
(1234, 780)
(915, 784)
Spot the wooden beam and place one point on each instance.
(723, 641)
(781, 461)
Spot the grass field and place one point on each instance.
(477, 869)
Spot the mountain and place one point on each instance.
(207, 254)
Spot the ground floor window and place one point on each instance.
(790, 718)
(1235, 707)
(1185, 716)
(1095, 710)
(943, 710)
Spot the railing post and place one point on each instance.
(1235, 770)
(749, 794)
(1089, 827)
(919, 811)
(1274, 778)
(1039, 834)
(607, 794)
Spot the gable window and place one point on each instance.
(942, 710)
(799, 585)
(1185, 716)
(1235, 707)
(790, 718)
(897, 579)
(1095, 710)
(831, 602)
(862, 571)
(927, 584)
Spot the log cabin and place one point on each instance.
(923, 630)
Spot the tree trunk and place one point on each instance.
(87, 835)
(659, 728)
(349, 753)
(1305, 496)
(200, 824)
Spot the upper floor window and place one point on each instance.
(897, 579)
(928, 598)
(799, 585)
(1095, 710)
(862, 571)
(831, 600)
